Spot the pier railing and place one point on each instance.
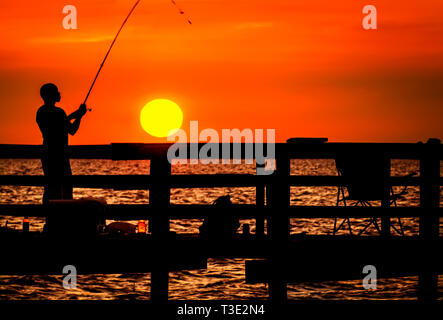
(272, 191)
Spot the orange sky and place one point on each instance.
(304, 68)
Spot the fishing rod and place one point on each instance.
(109, 50)
(115, 38)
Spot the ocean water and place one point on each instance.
(224, 278)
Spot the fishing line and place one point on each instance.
(181, 11)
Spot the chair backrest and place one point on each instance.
(363, 176)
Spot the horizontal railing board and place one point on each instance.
(46, 254)
(196, 211)
(20, 151)
(391, 150)
(138, 182)
(16, 151)
(137, 151)
(343, 259)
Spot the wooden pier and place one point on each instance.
(280, 256)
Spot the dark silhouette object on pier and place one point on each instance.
(75, 220)
(221, 223)
(120, 228)
(55, 126)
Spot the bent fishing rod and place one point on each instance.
(109, 50)
(115, 38)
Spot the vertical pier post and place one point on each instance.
(279, 224)
(159, 198)
(429, 219)
(386, 200)
(260, 204)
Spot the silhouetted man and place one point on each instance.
(55, 126)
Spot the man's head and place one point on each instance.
(49, 93)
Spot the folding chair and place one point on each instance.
(363, 178)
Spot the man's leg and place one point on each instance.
(67, 180)
(53, 179)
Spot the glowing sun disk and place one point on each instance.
(161, 117)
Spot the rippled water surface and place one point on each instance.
(224, 278)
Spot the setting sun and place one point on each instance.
(158, 117)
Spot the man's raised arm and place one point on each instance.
(77, 115)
